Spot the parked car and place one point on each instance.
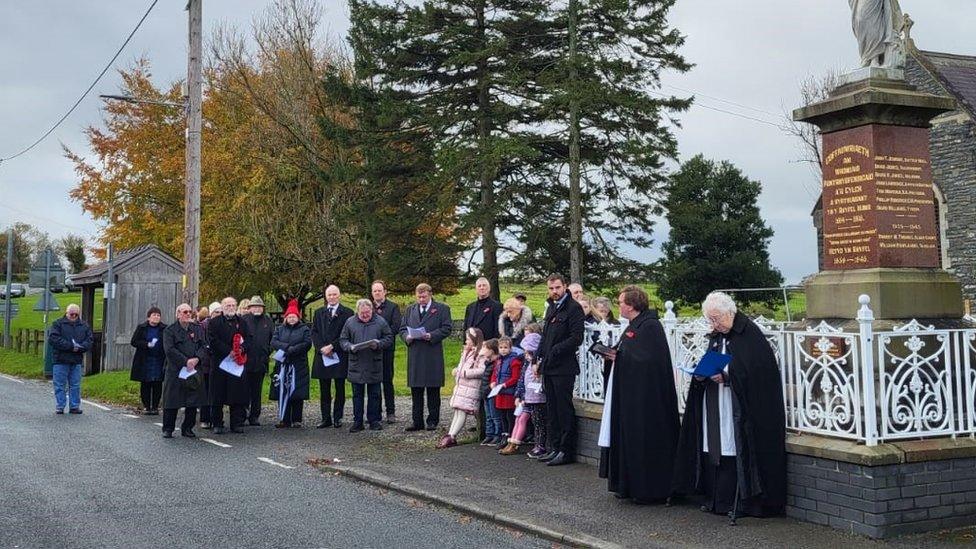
(69, 284)
(16, 290)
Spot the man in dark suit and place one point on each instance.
(484, 312)
(327, 324)
(390, 312)
(561, 337)
(425, 355)
(261, 328)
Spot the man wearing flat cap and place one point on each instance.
(259, 351)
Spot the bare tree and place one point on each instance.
(812, 90)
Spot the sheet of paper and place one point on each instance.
(153, 342)
(518, 410)
(416, 333)
(364, 345)
(228, 365)
(184, 373)
(497, 389)
(330, 360)
(279, 355)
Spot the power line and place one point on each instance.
(80, 99)
(733, 113)
(733, 103)
(88, 231)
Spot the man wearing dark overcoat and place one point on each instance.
(261, 328)
(185, 346)
(558, 363)
(390, 312)
(226, 388)
(483, 313)
(327, 323)
(425, 355)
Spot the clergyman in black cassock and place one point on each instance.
(733, 436)
(643, 407)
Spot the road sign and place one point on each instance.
(47, 302)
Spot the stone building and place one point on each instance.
(953, 145)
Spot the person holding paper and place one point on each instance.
(503, 382)
(390, 312)
(185, 347)
(327, 323)
(643, 407)
(365, 337)
(467, 386)
(148, 360)
(425, 356)
(71, 338)
(289, 386)
(261, 328)
(732, 447)
(558, 363)
(229, 340)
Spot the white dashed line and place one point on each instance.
(99, 406)
(11, 378)
(130, 415)
(215, 443)
(158, 424)
(270, 461)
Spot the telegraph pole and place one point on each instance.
(7, 304)
(194, 85)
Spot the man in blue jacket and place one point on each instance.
(70, 338)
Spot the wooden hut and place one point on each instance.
(145, 276)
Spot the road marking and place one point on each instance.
(270, 461)
(99, 406)
(130, 415)
(215, 443)
(11, 378)
(158, 424)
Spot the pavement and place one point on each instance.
(108, 479)
(91, 475)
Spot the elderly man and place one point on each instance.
(561, 337)
(390, 312)
(261, 328)
(71, 338)
(185, 347)
(732, 447)
(425, 325)
(640, 427)
(229, 339)
(327, 323)
(576, 290)
(365, 364)
(483, 313)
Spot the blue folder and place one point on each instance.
(711, 364)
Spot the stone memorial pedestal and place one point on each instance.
(879, 219)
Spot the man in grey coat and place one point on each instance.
(365, 364)
(425, 355)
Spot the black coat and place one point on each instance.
(758, 417)
(261, 329)
(562, 334)
(62, 332)
(295, 341)
(325, 331)
(483, 314)
(138, 372)
(425, 359)
(226, 388)
(181, 345)
(643, 413)
(366, 365)
(390, 312)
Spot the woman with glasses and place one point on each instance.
(183, 387)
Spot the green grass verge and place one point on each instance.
(30, 319)
(21, 365)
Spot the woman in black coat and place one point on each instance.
(294, 339)
(149, 362)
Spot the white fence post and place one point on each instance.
(670, 322)
(865, 317)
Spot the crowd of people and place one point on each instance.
(514, 373)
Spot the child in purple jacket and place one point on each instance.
(531, 401)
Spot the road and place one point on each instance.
(108, 479)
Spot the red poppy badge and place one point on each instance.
(629, 334)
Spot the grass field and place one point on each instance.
(30, 319)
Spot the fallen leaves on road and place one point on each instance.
(464, 519)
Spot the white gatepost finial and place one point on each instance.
(669, 311)
(865, 312)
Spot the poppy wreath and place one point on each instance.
(240, 358)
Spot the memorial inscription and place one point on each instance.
(878, 200)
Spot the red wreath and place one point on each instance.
(240, 358)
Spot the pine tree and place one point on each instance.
(718, 238)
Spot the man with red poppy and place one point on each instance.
(483, 313)
(229, 337)
(425, 355)
(561, 337)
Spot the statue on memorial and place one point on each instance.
(878, 26)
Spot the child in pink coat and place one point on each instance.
(467, 386)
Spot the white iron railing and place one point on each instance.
(913, 381)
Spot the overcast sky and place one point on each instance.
(750, 56)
